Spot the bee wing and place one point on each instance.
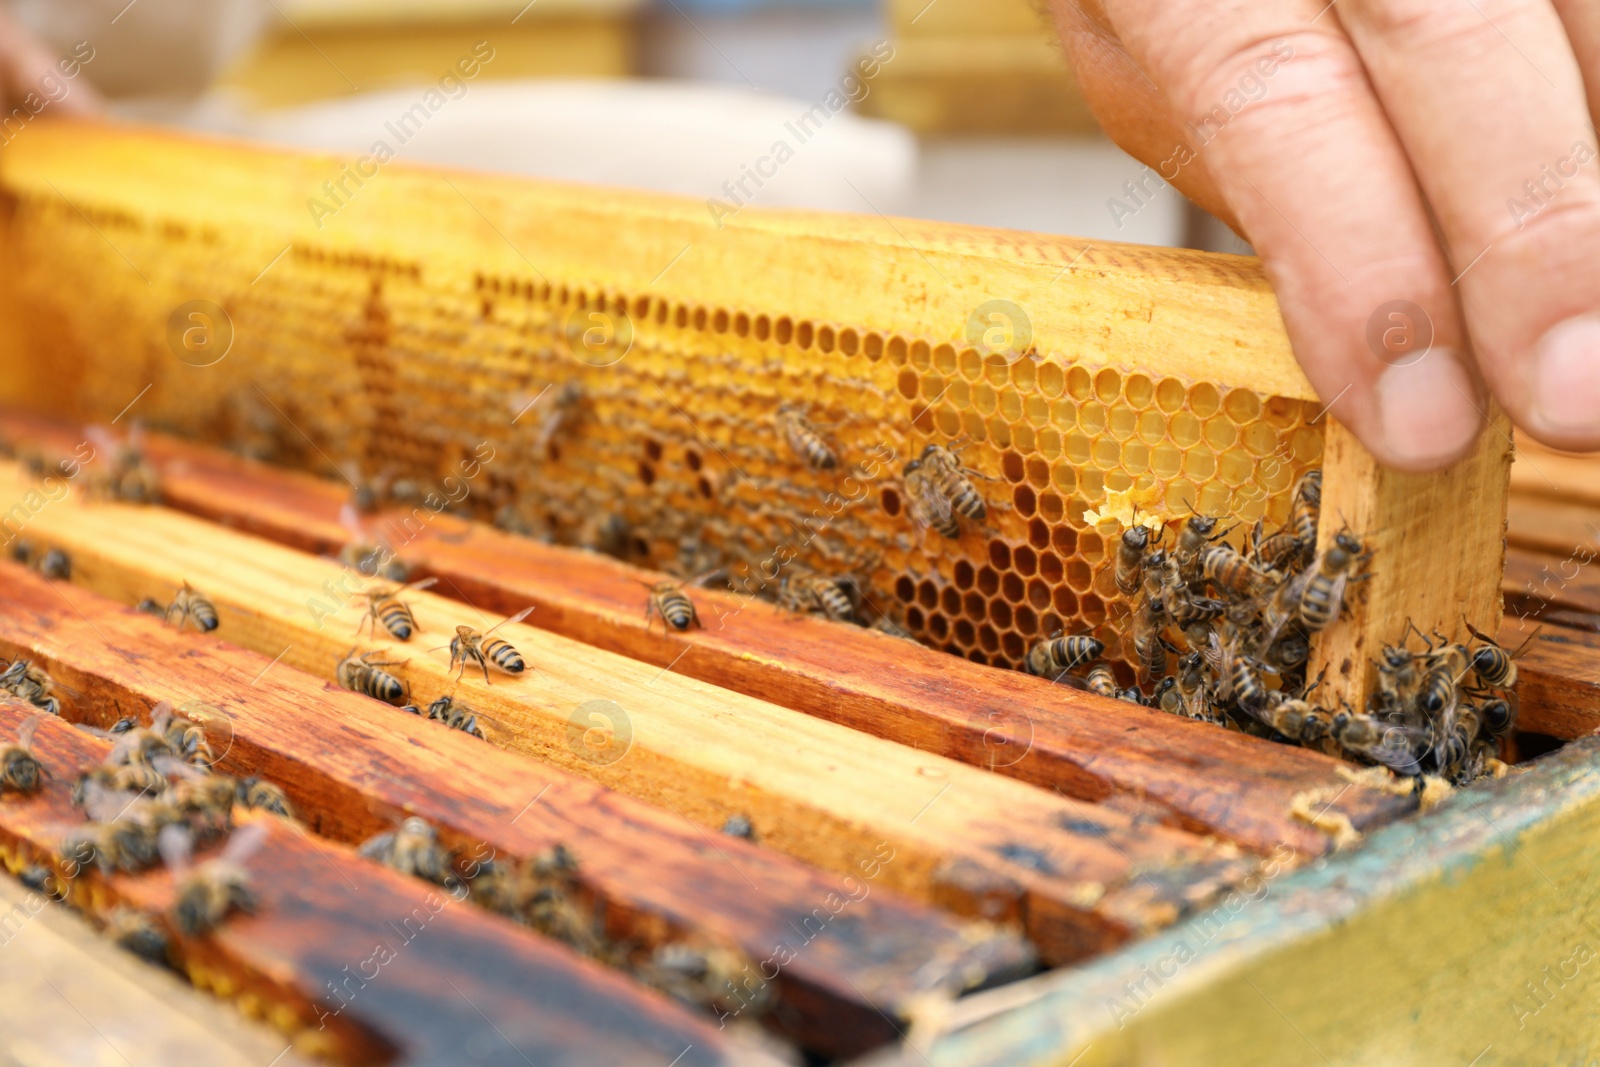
(175, 767)
(29, 728)
(1397, 750)
(177, 847)
(244, 842)
(123, 749)
(95, 731)
(350, 519)
(426, 583)
(518, 617)
(106, 805)
(103, 439)
(929, 508)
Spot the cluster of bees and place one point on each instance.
(1240, 623)
(153, 798)
(545, 893)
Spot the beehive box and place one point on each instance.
(421, 321)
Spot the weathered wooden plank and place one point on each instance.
(353, 766)
(1539, 583)
(354, 961)
(1558, 680)
(1418, 574)
(67, 995)
(1556, 527)
(1224, 782)
(1080, 877)
(1397, 952)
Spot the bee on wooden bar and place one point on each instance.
(385, 606)
(20, 769)
(208, 892)
(151, 606)
(954, 481)
(668, 600)
(204, 801)
(1494, 665)
(365, 675)
(1100, 680)
(53, 563)
(187, 737)
(1306, 508)
(1130, 558)
(926, 503)
(127, 476)
(810, 593)
(1497, 716)
(1366, 736)
(1441, 682)
(455, 715)
(191, 605)
(804, 438)
(261, 795)
(1053, 657)
(469, 646)
(1322, 598)
(413, 848)
(25, 681)
(375, 560)
(135, 778)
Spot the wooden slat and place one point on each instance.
(456, 978)
(1191, 774)
(1557, 527)
(1079, 876)
(1418, 575)
(1558, 680)
(68, 995)
(1538, 584)
(353, 766)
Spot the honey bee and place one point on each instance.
(739, 825)
(361, 554)
(27, 682)
(128, 476)
(1193, 691)
(20, 769)
(54, 563)
(204, 801)
(555, 904)
(258, 794)
(469, 646)
(1497, 716)
(1198, 532)
(1244, 681)
(668, 600)
(561, 411)
(1322, 598)
(927, 505)
(1149, 645)
(1494, 665)
(1226, 569)
(809, 593)
(1130, 558)
(151, 606)
(954, 482)
(190, 605)
(1102, 681)
(804, 438)
(208, 892)
(413, 849)
(135, 932)
(1053, 657)
(365, 675)
(1306, 508)
(1390, 746)
(454, 715)
(705, 974)
(1440, 687)
(135, 778)
(385, 606)
(186, 737)
(1298, 720)
(1282, 551)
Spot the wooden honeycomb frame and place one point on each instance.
(402, 330)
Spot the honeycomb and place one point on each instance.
(669, 456)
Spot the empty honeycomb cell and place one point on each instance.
(1027, 619)
(889, 500)
(1152, 427)
(1139, 390)
(909, 383)
(938, 626)
(1122, 421)
(1022, 438)
(927, 593)
(963, 632)
(1012, 467)
(1051, 624)
(948, 421)
(1064, 476)
(705, 488)
(997, 372)
(782, 330)
(905, 589)
(989, 638)
(1092, 610)
(1242, 406)
(1048, 444)
(1064, 413)
(1038, 533)
(999, 432)
(1011, 406)
(1079, 448)
(1105, 583)
(741, 324)
(1170, 395)
(957, 394)
(1118, 481)
(1108, 386)
(1064, 542)
(652, 450)
(1179, 499)
(950, 600)
(1079, 575)
(1091, 546)
(1135, 457)
(1184, 429)
(647, 473)
(1091, 485)
(971, 364)
(1065, 602)
(1248, 505)
(897, 350)
(1312, 411)
(1274, 475)
(1025, 560)
(804, 334)
(1000, 614)
(700, 317)
(973, 605)
(1052, 508)
(1051, 569)
(1079, 385)
(1107, 453)
(1036, 409)
(762, 328)
(692, 458)
(1092, 418)
(1051, 379)
(1203, 400)
(933, 387)
(1023, 374)
(1024, 500)
(721, 320)
(988, 580)
(1013, 647)
(944, 359)
(872, 347)
(963, 574)
(1123, 674)
(977, 657)
(914, 618)
(1259, 438)
(1200, 463)
(1213, 499)
(1011, 587)
(920, 355)
(1221, 434)
(1000, 555)
(972, 424)
(984, 398)
(1306, 444)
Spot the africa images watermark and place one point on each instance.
(1251, 88)
(50, 89)
(354, 176)
(852, 89)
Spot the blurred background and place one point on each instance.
(957, 110)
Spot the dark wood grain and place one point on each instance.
(331, 958)
(353, 767)
(1558, 680)
(1188, 774)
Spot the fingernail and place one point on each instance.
(1429, 415)
(1566, 377)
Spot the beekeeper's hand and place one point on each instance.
(33, 81)
(1419, 176)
